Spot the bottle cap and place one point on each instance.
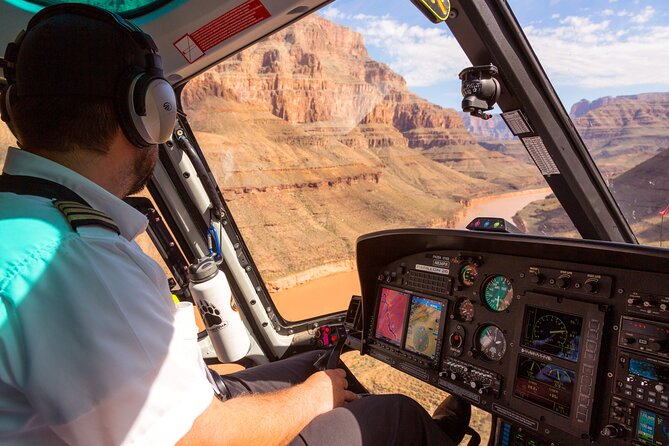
(202, 271)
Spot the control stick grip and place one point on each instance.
(330, 359)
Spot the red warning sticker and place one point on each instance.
(194, 45)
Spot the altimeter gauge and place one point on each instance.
(491, 342)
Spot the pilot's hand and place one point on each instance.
(327, 390)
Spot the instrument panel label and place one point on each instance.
(432, 269)
(515, 416)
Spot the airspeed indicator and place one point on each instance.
(498, 293)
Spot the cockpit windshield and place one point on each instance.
(605, 61)
(348, 122)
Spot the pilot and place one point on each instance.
(92, 348)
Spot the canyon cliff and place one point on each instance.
(628, 137)
(313, 143)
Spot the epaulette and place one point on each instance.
(78, 214)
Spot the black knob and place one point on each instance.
(629, 340)
(537, 279)
(591, 287)
(614, 430)
(563, 282)
(657, 346)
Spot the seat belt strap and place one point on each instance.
(76, 210)
(28, 185)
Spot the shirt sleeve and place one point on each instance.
(105, 359)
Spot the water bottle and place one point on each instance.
(213, 297)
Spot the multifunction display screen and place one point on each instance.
(392, 314)
(652, 429)
(648, 370)
(552, 333)
(410, 322)
(423, 327)
(546, 385)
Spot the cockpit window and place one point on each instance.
(126, 8)
(347, 123)
(604, 60)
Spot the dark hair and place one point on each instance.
(64, 123)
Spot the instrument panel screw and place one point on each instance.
(610, 375)
(522, 275)
(253, 302)
(615, 328)
(620, 291)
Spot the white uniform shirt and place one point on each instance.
(92, 349)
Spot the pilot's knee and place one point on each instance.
(402, 406)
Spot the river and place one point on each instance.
(332, 293)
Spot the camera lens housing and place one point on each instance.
(480, 90)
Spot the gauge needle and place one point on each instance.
(557, 331)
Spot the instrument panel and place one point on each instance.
(565, 341)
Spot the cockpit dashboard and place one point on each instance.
(566, 342)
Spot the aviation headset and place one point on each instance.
(144, 100)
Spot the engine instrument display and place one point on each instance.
(498, 293)
(492, 343)
(391, 316)
(553, 333)
(423, 328)
(652, 428)
(546, 385)
(468, 274)
(466, 310)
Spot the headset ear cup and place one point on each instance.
(125, 108)
(6, 100)
(160, 106)
(147, 107)
(154, 109)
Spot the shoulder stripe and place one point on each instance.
(78, 215)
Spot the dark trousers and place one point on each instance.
(372, 420)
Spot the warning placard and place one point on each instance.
(195, 44)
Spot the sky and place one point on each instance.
(589, 49)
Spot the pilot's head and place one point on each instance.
(79, 76)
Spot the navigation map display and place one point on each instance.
(546, 385)
(553, 333)
(391, 316)
(423, 327)
(652, 429)
(648, 370)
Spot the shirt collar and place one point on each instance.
(130, 221)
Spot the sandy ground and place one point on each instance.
(381, 378)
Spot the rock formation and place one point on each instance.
(314, 143)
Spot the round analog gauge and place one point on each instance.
(498, 293)
(468, 274)
(492, 343)
(550, 329)
(466, 310)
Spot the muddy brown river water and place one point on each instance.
(332, 293)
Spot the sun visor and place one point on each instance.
(191, 36)
(195, 35)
